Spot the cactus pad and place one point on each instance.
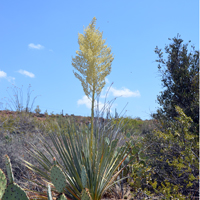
(85, 194)
(9, 169)
(58, 178)
(3, 183)
(61, 197)
(83, 176)
(14, 192)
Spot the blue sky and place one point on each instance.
(39, 38)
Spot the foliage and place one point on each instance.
(174, 158)
(169, 165)
(180, 80)
(46, 113)
(164, 161)
(138, 168)
(13, 191)
(93, 62)
(129, 125)
(134, 160)
(18, 123)
(37, 110)
(72, 149)
(175, 155)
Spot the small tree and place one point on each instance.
(93, 62)
(37, 110)
(46, 113)
(180, 80)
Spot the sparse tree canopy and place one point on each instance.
(93, 61)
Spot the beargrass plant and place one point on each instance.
(72, 150)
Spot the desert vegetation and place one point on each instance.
(115, 157)
(144, 169)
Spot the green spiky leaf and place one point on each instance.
(107, 140)
(85, 194)
(114, 144)
(83, 176)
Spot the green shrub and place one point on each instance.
(175, 159)
(37, 110)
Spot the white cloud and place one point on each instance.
(3, 74)
(33, 46)
(88, 103)
(125, 92)
(8, 78)
(26, 73)
(85, 101)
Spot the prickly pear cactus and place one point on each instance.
(9, 169)
(83, 176)
(61, 197)
(85, 194)
(58, 178)
(14, 192)
(3, 183)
